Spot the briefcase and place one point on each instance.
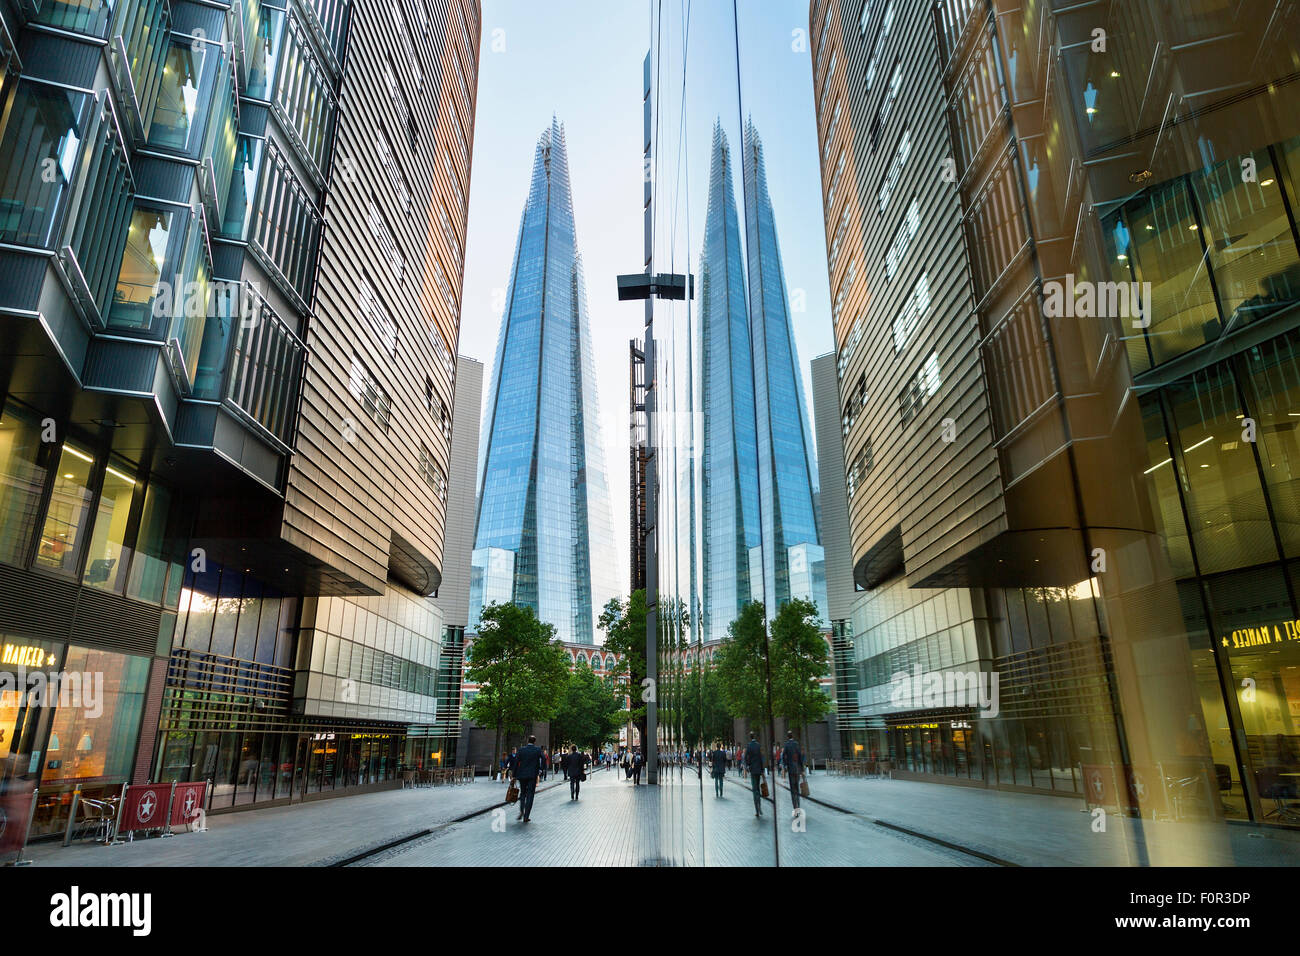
(512, 792)
(803, 786)
(762, 786)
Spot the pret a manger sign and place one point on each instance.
(1264, 635)
(25, 655)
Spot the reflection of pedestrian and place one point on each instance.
(718, 761)
(527, 764)
(754, 767)
(637, 760)
(792, 757)
(577, 771)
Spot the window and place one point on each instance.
(65, 518)
(387, 241)
(830, 131)
(879, 45)
(381, 323)
(399, 24)
(903, 239)
(428, 393)
(862, 463)
(835, 179)
(840, 229)
(368, 391)
(827, 84)
(850, 344)
(914, 309)
(22, 479)
(444, 419)
(442, 352)
(846, 286)
(105, 564)
(153, 243)
(901, 154)
(286, 226)
(154, 549)
(432, 473)
(864, 18)
(923, 386)
(303, 96)
(887, 104)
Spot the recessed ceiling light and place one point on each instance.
(1114, 73)
(1193, 227)
(1267, 182)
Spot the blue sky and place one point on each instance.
(582, 62)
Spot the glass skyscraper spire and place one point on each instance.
(730, 445)
(544, 535)
(756, 447)
(795, 567)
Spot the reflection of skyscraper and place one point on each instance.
(729, 448)
(756, 444)
(787, 472)
(545, 531)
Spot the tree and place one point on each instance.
(741, 665)
(590, 712)
(520, 669)
(624, 625)
(798, 662)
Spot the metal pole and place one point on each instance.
(117, 824)
(72, 816)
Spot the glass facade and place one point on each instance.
(543, 491)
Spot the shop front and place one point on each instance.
(70, 719)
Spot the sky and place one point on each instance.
(582, 62)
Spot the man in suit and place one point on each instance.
(527, 765)
(564, 764)
(754, 767)
(792, 757)
(577, 770)
(718, 761)
(637, 760)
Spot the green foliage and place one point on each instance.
(519, 667)
(590, 712)
(741, 660)
(624, 625)
(798, 660)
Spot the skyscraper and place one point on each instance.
(544, 536)
(787, 470)
(225, 373)
(729, 447)
(756, 453)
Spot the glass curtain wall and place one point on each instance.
(734, 204)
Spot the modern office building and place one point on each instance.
(787, 464)
(728, 451)
(225, 431)
(1064, 265)
(544, 534)
(757, 470)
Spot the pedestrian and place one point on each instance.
(527, 765)
(511, 762)
(754, 767)
(719, 762)
(793, 759)
(577, 771)
(636, 767)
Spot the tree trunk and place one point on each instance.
(496, 753)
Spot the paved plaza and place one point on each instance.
(849, 822)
